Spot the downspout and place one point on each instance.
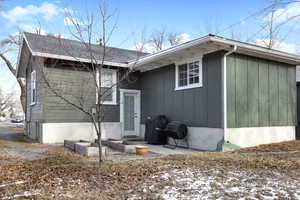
(225, 89)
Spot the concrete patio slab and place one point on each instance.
(160, 149)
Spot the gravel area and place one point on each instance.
(14, 146)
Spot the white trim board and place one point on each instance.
(187, 61)
(113, 87)
(138, 92)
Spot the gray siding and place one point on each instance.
(34, 113)
(200, 107)
(78, 87)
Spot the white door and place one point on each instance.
(130, 112)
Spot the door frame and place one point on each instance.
(138, 102)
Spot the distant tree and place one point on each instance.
(6, 103)
(275, 30)
(161, 38)
(158, 39)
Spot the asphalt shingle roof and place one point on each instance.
(65, 47)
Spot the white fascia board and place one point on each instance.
(221, 41)
(257, 49)
(155, 56)
(85, 60)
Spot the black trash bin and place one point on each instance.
(152, 135)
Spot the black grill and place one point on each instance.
(159, 129)
(176, 130)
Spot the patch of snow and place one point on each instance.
(15, 183)
(24, 194)
(194, 183)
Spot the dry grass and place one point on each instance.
(65, 175)
(20, 137)
(3, 144)
(274, 147)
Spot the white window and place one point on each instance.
(189, 74)
(33, 88)
(108, 86)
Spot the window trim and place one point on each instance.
(114, 88)
(33, 86)
(187, 61)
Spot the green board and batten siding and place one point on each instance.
(260, 92)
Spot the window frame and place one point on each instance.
(187, 62)
(114, 88)
(33, 87)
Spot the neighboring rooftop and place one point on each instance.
(51, 46)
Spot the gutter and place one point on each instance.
(286, 57)
(225, 89)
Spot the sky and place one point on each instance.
(136, 18)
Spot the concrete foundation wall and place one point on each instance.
(201, 138)
(247, 137)
(58, 132)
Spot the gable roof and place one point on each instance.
(65, 49)
(207, 44)
(58, 48)
(51, 46)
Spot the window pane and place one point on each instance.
(33, 95)
(182, 75)
(107, 94)
(106, 79)
(194, 72)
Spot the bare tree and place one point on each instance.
(6, 103)
(175, 38)
(161, 39)
(8, 45)
(86, 31)
(277, 25)
(158, 38)
(11, 44)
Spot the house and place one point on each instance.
(298, 101)
(221, 88)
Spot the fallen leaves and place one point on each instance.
(3, 144)
(274, 147)
(66, 175)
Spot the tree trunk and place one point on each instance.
(21, 84)
(23, 97)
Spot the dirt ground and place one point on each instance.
(62, 174)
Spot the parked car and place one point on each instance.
(16, 119)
